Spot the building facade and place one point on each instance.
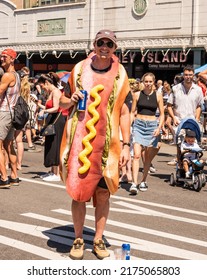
(160, 36)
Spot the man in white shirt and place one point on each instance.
(186, 99)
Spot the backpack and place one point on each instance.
(21, 114)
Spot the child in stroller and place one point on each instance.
(189, 168)
(189, 152)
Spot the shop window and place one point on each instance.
(53, 2)
(67, 1)
(47, 2)
(40, 3)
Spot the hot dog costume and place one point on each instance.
(112, 87)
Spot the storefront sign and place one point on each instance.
(170, 57)
(156, 57)
(168, 66)
(51, 27)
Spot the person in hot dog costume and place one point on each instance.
(91, 154)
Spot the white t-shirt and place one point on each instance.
(185, 104)
(186, 146)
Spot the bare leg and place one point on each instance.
(129, 169)
(55, 170)
(123, 174)
(78, 214)
(101, 211)
(40, 124)
(33, 133)
(2, 162)
(9, 147)
(185, 166)
(168, 122)
(123, 177)
(6, 158)
(150, 153)
(135, 164)
(20, 148)
(29, 137)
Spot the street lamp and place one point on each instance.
(71, 53)
(56, 55)
(28, 55)
(42, 55)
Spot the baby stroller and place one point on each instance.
(197, 178)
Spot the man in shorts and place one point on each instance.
(102, 178)
(9, 93)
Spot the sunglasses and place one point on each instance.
(101, 43)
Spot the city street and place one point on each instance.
(164, 223)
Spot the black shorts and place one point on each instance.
(102, 183)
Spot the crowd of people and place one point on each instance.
(125, 123)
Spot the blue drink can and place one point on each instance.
(82, 102)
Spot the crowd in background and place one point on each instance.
(167, 131)
(36, 97)
(152, 108)
(39, 93)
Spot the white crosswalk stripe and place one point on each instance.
(58, 229)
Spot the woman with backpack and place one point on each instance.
(25, 93)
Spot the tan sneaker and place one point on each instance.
(76, 252)
(99, 249)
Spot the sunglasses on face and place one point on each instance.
(101, 43)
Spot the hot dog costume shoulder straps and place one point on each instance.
(101, 121)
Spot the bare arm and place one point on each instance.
(199, 109)
(38, 88)
(125, 130)
(56, 99)
(198, 113)
(8, 79)
(134, 105)
(171, 113)
(161, 109)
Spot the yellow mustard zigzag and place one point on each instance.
(92, 131)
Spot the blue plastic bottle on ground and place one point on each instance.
(126, 250)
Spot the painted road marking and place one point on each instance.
(55, 235)
(135, 200)
(33, 249)
(145, 211)
(127, 205)
(142, 229)
(136, 243)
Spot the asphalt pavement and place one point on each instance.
(163, 223)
